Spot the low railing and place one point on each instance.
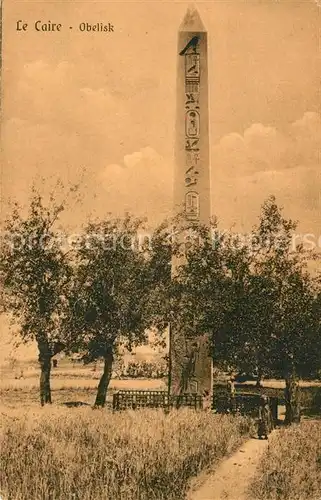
(242, 403)
(123, 400)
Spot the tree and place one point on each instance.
(296, 348)
(205, 289)
(34, 273)
(293, 335)
(273, 322)
(197, 297)
(108, 303)
(256, 299)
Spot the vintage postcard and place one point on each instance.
(160, 250)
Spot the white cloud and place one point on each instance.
(309, 122)
(264, 148)
(246, 169)
(133, 159)
(142, 185)
(64, 123)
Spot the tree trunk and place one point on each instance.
(259, 373)
(105, 379)
(292, 398)
(259, 379)
(44, 359)
(45, 390)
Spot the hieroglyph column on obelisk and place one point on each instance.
(190, 362)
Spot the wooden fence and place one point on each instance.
(242, 403)
(123, 400)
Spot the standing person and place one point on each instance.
(265, 419)
(231, 388)
(231, 385)
(207, 403)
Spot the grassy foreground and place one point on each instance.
(290, 469)
(61, 453)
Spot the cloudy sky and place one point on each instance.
(105, 102)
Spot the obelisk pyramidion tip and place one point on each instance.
(192, 21)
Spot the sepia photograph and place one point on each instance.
(160, 250)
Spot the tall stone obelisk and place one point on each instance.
(190, 362)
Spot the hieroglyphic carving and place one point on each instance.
(191, 177)
(193, 156)
(192, 64)
(192, 44)
(189, 376)
(192, 125)
(191, 145)
(193, 387)
(192, 204)
(192, 86)
(192, 101)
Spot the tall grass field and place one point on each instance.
(290, 469)
(64, 454)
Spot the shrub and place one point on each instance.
(290, 469)
(94, 454)
(145, 369)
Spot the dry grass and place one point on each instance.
(280, 384)
(291, 467)
(24, 392)
(80, 383)
(86, 454)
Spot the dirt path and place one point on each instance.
(233, 476)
